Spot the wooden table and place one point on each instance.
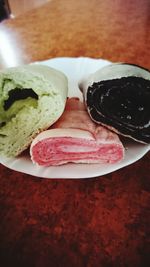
(95, 222)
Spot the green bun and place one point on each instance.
(32, 98)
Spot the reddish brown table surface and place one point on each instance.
(94, 222)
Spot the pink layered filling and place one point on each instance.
(60, 150)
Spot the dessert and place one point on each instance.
(32, 98)
(76, 138)
(118, 97)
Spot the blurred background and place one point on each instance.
(13, 8)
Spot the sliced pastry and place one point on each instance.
(32, 98)
(118, 97)
(76, 138)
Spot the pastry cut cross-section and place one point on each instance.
(76, 138)
(32, 98)
(118, 97)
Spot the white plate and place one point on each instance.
(76, 69)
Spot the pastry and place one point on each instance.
(32, 98)
(76, 138)
(118, 97)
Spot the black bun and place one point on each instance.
(118, 96)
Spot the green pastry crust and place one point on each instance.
(32, 98)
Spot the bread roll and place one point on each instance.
(76, 138)
(118, 97)
(32, 98)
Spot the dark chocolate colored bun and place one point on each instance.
(118, 96)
